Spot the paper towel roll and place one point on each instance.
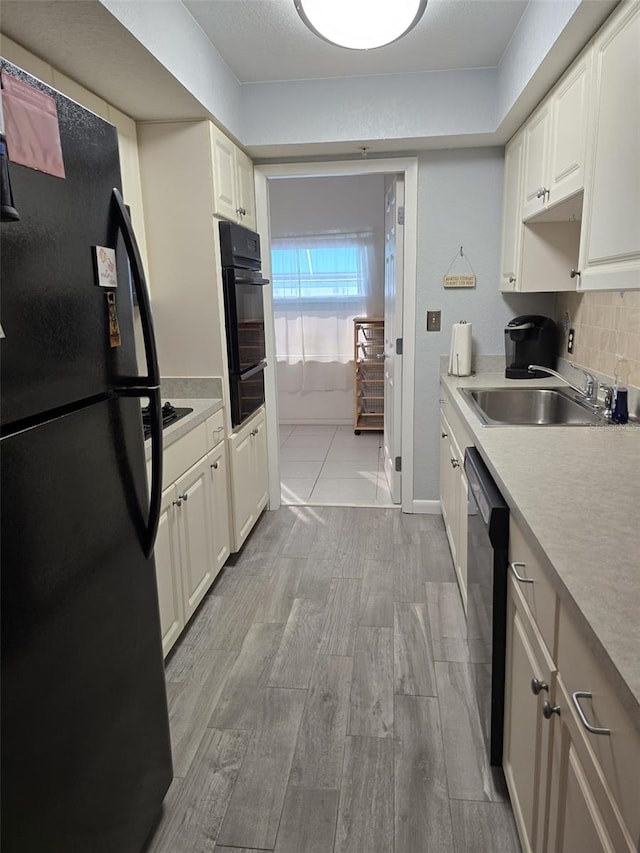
(460, 356)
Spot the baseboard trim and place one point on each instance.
(426, 507)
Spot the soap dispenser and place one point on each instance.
(621, 407)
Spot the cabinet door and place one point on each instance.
(583, 816)
(225, 201)
(536, 134)
(259, 466)
(242, 487)
(569, 128)
(527, 732)
(447, 486)
(218, 493)
(194, 519)
(610, 240)
(168, 576)
(512, 214)
(246, 190)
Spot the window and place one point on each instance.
(327, 267)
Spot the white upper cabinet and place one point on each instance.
(610, 239)
(556, 140)
(511, 221)
(233, 189)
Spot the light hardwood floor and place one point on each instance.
(320, 700)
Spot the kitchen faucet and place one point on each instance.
(590, 391)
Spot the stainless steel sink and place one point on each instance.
(529, 407)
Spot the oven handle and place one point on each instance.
(247, 374)
(245, 279)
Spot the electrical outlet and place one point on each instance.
(571, 340)
(433, 321)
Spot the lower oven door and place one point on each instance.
(487, 556)
(247, 393)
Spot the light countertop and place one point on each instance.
(202, 409)
(577, 492)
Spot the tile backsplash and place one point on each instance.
(605, 323)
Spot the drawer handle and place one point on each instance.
(178, 503)
(518, 577)
(214, 465)
(537, 686)
(548, 710)
(218, 429)
(455, 463)
(184, 497)
(595, 730)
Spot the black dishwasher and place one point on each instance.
(487, 561)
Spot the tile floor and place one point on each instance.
(328, 465)
(321, 698)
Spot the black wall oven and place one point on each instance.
(243, 285)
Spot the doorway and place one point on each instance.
(399, 346)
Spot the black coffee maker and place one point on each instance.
(529, 339)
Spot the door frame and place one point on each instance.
(408, 167)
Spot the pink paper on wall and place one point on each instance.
(31, 127)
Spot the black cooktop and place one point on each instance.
(170, 414)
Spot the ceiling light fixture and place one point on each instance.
(360, 24)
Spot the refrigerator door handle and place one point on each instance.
(152, 380)
(155, 499)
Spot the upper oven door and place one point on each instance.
(244, 314)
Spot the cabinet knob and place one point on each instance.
(184, 497)
(444, 435)
(512, 279)
(542, 193)
(514, 568)
(214, 465)
(548, 710)
(178, 502)
(454, 463)
(537, 686)
(254, 431)
(241, 211)
(575, 273)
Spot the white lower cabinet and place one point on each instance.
(168, 574)
(194, 536)
(249, 478)
(193, 507)
(573, 789)
(454, 496)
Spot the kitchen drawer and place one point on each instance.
(215, 429)
(184, 453)
(536, 590)
(617, 754)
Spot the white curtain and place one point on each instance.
(320, 283)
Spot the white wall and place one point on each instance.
(459, 204)
(313, 206)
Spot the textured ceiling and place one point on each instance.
(265, 40)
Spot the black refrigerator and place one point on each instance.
(86, 755)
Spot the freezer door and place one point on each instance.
(55, 317)
(86, 756)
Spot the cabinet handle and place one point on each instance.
(454, 463)
(596, 730)
(184, 497)
(518, 577)
(214, 465)
(542, 193)
(444, 435)
(548, 710)
(178, 502)
(241, 211)
(537, 686)
(512, 279)
(254, 431)
(575, 273)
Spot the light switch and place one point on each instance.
(433, 321)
